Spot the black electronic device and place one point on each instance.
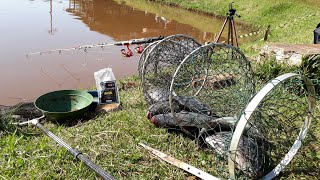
(109, 93)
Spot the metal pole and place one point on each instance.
(230, 33)
(77, 154)
(223, 26)
(267, 33)
(235, 32)
(187, 167)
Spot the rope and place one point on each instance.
(284, 25)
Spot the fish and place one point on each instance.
(162, 108)
(183, 119)
(179, 103)
(251, 156)
(192, 104)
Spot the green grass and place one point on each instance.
(292, 21)
(111, 140)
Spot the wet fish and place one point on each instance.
(161, 108)
(229, 124)
(160, 116)
(250, 156)
(192, 104)
(184, 119)
(179, 103)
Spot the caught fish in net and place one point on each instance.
(215, 80)
(212, 98)
(211, 86)
(280, 114)
(160, 62)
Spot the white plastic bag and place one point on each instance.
(106, 86)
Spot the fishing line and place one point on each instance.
(54, 80)
(100, 58)
(70, 73)
(280, 26)
(19, 98)
(85, 63)
(85, 47)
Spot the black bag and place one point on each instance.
(316, 33)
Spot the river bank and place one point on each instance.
(111, 140)
(291, 21)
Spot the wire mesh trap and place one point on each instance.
(143, 57)
(212, 98)
(275, 121)
(267, 134)
(218, 75)
(209, 89)
(160, 63)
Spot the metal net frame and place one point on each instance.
(208, 91)
(143, 57)
(160, 63)
(212, 97)
(275, 123)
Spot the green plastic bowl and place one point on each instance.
(63, 105)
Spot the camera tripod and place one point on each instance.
(232, 34)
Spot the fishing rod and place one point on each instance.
(77, 154)
(85, 47)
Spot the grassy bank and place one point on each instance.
(292, 21)
(111, 140)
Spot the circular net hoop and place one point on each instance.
(160, 63)
(217, 75)
(143, 57)
(272, 127)
(209, 90)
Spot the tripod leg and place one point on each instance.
(230, 33)
(219, 35)
(235, 32)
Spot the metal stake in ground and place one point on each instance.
(77, 154)
(191, 169)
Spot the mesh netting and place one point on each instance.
(209, 89)
(212, 98)
(143, 57)
(275, 122)
(217, 75)
(160, 64)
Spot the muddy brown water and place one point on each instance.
(40, 25)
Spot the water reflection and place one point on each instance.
(51, 30)
(72, 23)
(122, 22)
